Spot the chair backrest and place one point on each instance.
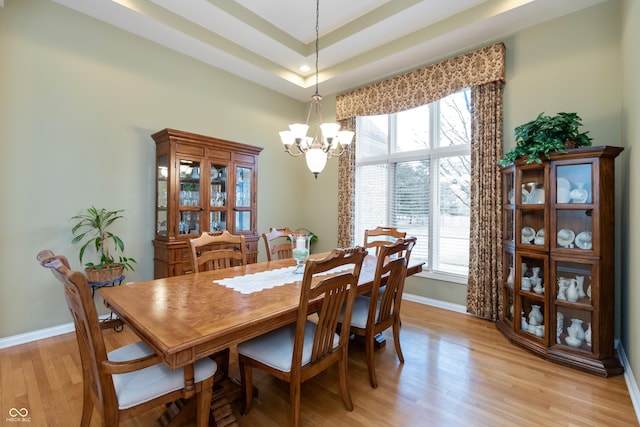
(88, 332)
(381, 236)
(277, 244)
(337, 289)
(391, 272)
(213, 252)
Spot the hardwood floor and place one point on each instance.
(458, 371)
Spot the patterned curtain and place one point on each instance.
(346, 190)
(485, 240)
(484, 71)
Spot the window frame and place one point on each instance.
(432, 154)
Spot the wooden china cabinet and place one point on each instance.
(558, 257)
(203, 184)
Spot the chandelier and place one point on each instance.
(327, 141)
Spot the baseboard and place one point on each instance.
(435, 303)
(630, 379)
(40, 334)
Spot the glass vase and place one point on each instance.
(300, 245)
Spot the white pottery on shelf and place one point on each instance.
(526, 283)
(510, 276)
(523, 324)
(563, 195)
(538, 288)
(535, 315)
(536, 196)
(587, 335)
(528, 234)
(573, 342)
(563, 183)
(566, 237)
(580, 281)
(579, 194)
(563, 284)
(559, 326)
(572, 290)
(539, 239)
(535, 271)
(576, 330)
(583, 240)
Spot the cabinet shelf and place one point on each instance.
(572, 217)
(577, 305)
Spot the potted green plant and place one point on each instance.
(92, 229)
(546, 134)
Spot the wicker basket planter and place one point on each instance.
(104, 273)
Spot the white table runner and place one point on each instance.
(257, 282)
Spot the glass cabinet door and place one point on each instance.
(243, 202)
(532, 219)
(575, 215)
(218, 197)
(189, 198)
(162, 175)
(509, 201)
(573, 293)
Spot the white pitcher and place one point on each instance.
(572, 290)
(562, 288)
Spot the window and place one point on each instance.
(413, 172)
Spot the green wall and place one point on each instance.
(629, 228)
(79, 100)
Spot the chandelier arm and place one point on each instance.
(294, 154)
(339, 152)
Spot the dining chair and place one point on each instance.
(277, 244)
(372, 314)
(381, 236)
(131, 379)
(212, 252)
(301, 350)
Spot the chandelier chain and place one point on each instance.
(317, 39)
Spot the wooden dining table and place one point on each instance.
(190, 317)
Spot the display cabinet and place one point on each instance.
(203, 184)
(558, 258)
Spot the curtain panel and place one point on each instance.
(346, 189)
(420, 87)
(485, 234)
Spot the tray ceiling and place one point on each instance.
(266, 41)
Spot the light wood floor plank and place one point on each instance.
(458, 371)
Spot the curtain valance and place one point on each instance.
(420, 87)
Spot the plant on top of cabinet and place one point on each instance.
(537, 138)
(92, 228)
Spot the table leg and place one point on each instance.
(189, 382)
